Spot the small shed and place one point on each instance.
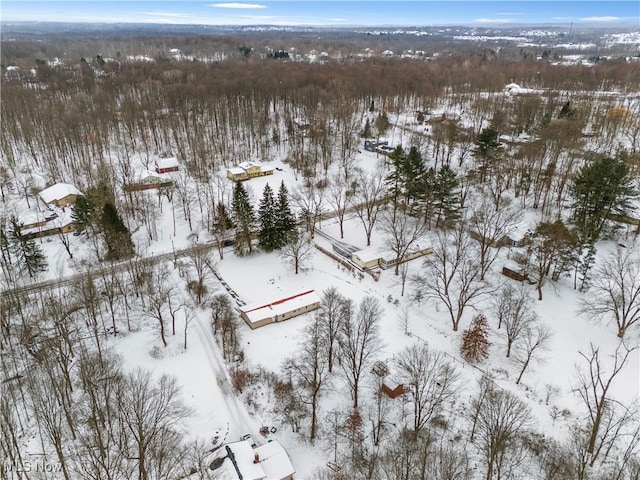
(60, 194)
(514, 275)
(392, 387)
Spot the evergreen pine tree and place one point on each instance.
(567, 111)
(445, 195)
(26, 253)
(268, 234)
(414, 173)
(600, 189)
(244, 219)
(223, 219)
(366, 132)
(487, 150)
(285, 222)
(116, 234)
(382, 123)
(395, 180)
(475, 340)
(82, 214)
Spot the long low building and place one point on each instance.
(260, 314)
(375, 258)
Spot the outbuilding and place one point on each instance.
(260, 314)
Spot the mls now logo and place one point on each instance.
(29, 466)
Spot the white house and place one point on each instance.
(60, 194)
(259, 314)
(266, 462)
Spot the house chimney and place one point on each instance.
(256, 458)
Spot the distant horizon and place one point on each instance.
(319, 13)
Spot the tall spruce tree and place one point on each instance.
(600, 189)
(285, 222)
(414, 174)
(82, 214)
(487, 150)
(244, 219)
(25, 252)
(395, 180)
(446, 200)
(116, 234)
(268, 234)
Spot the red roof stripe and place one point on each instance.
(278, 302)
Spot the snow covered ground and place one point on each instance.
(203, 375)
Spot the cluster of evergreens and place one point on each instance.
(274, 221)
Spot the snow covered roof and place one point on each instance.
(31, 218)
(242, 167)
(259, 311)
(58, 191)
(143, 175)
(274, 460)
(167, 162)
(245, 165)
(370, 254)
(244, 456)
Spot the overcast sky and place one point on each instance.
(314, 12)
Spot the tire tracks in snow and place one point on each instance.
(237, 412)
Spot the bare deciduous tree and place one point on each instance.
(452, 274)
(359, 341)
(368, 199)
(225, 325)
(536, 337)
(593, 388)
(490, 227)
(307, 371)
(158, 298)
(429, 378)
(615, 290)
(339, 196)
(308, 199)
(402, 232)
(330, 322)
(502, 417)
(297, 249)
(514, 308)
(153, 415)
(204, 266)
